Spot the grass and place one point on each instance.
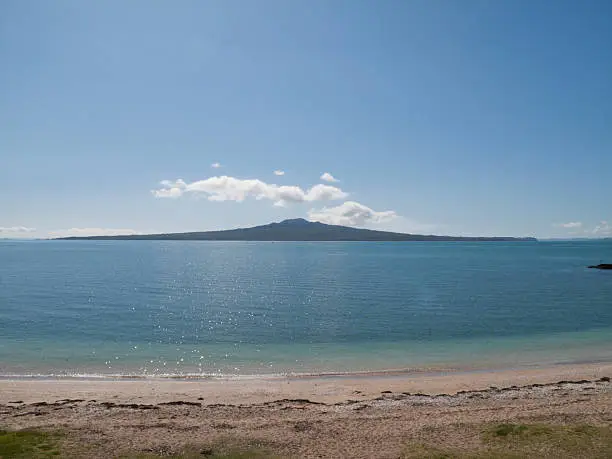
(245, 454)
(498, 441)
(32, 444)
(225, 448)
(28, 444)
(514, 441)
(551, 440)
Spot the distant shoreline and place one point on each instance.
(274, 241)
(296, 230)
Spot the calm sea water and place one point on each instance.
(248, 308)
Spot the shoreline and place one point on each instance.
(327, 388)
(390, 372)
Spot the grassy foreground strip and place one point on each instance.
(514, 441)
(499, 441)
(28, 443)
(33, 444)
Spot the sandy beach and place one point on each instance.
(322, 389)
(334, 416)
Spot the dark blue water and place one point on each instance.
(149, 307)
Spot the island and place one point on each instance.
(297, 229)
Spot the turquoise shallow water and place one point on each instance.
(248, 308)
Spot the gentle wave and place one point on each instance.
(425, 371)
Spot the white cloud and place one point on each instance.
(215, 165)
(569, 225)
(350, 213)
(16, 229)
(226, 188)
(325, 193)
(277, 172)
(92, 232)
(170, 189)
(603, 229)
(407, 225)
(329, 178)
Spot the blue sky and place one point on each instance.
(474, 118)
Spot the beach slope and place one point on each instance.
(383, 416)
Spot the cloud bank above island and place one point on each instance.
(224, 188)
(350, 213)
(227, 188)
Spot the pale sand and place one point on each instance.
(335, 417)
(325, 389)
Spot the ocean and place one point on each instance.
(245, 309)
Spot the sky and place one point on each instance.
(484, 118)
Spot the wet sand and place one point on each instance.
(324, 389)
(341, 416)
